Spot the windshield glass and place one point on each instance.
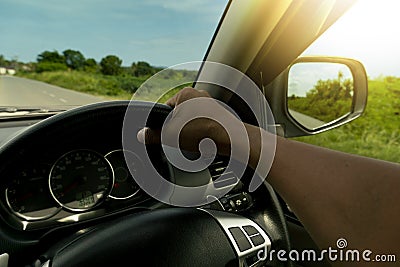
(91, 51)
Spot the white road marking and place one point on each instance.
(52, 95)
(62, 100)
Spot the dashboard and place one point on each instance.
(72, 169)
(78, 185)
(78, 172)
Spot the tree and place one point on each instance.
(51, 56)
(74, 59)
(111, 65)
(90, 65)
(142, 68)
(3, 61)
(332, 90)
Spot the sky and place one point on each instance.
(369, 32)
(161, 32)
(169, 32)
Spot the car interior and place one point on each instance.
(69, 194)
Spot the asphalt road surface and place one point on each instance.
(307, 121)
(17, 92)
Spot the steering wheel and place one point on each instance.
(161, 237)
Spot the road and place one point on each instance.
(17, 92)
(307, 121)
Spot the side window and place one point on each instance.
(375, 43)
(377, 132)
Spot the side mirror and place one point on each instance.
(321, 93)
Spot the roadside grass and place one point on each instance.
(110, 87)
(120, 87)
(377, 132)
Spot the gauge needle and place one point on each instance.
(70, 187)
(26, 196)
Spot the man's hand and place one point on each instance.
(194, 129)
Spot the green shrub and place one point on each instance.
(50, 66)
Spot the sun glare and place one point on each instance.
(369, 32)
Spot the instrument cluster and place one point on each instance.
(78, 182)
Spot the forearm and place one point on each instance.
(334, 194)
(339, 195)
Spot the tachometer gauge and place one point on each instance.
(124, 185)
(80, 180)
(28, 194)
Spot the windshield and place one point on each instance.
(55, 54)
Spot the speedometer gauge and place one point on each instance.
(80, 179)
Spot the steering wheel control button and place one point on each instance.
(252, 259)
(237, 202)
(246, 237)
(257, 240)
(250, 230)
(240, 238)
